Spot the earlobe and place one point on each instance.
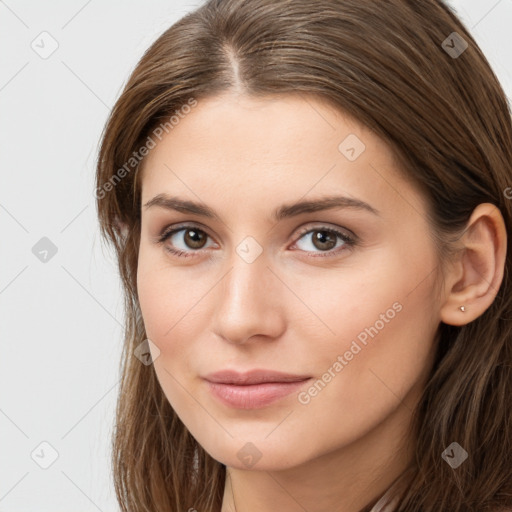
(477, 274)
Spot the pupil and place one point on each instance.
(324, 237)
(195, 238)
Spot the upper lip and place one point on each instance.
(256, 376)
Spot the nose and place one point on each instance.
(249, 304)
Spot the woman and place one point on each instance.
(309, 202)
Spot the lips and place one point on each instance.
(253, 389)
(256, 376)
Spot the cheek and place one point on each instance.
(381, 352)
(172, 303)
(380, 319)
(152, 300)
(167, 311)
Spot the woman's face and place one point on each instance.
(343, 295)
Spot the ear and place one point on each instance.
(476, 276)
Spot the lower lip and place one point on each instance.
(253, 396)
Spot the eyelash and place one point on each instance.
(349, 241)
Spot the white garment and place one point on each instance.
(383, 506)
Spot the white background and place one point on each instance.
(61, 320)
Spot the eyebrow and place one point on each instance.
(285, 211)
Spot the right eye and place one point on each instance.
(188, 236)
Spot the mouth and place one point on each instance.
(254, 389)
(256, 376)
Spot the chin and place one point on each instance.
(257, 455)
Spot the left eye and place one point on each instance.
(323, 239)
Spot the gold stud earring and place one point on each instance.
(462, 308)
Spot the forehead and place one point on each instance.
(287, 126)
(275, 149)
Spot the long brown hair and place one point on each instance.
(397, 67)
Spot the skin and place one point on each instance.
(292, 310)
